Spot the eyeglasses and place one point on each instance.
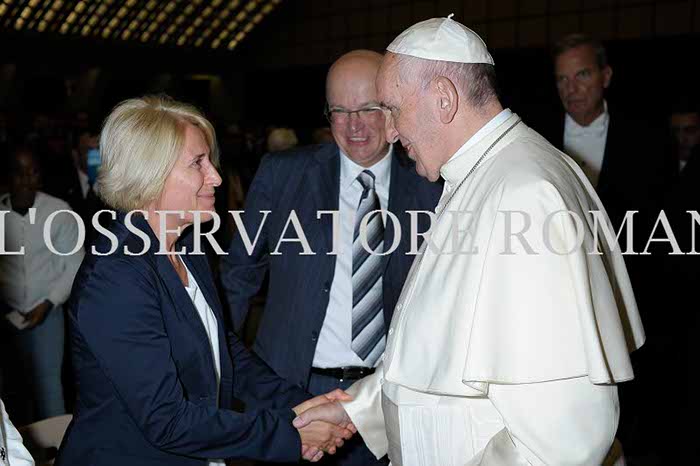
(339, 115)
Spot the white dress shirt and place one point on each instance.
(497, 356)
(335, 339)
(12, 450)
(586, 144)
(211, 326)
(30, 278)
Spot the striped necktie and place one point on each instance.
(368, 338)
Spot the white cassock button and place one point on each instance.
(391, 331)
(399, 306)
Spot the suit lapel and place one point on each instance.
(608, 161)
(199, 267)
(185, 307)
(401, 196)
(325, 192)
(558, 136)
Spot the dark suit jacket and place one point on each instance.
(636, 166)
(147, 392)
(307, 181)
(64, 183)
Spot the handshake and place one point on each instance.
(323, 424)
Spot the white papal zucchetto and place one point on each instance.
(442, 39)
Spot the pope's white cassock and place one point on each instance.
(508, 352)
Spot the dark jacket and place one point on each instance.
(147, 392)
(307, 181)
(636, 168)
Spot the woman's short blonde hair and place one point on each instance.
(139, 144)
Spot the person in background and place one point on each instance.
(34, 285)
(628, 171)
(72, 181)
(281, 139)
(684, 124)
(323, 135)
(12, 450)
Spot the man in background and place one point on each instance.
(684, 124)
(622, 154)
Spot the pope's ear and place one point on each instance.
(448, 99)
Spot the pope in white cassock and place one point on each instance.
(516, 321)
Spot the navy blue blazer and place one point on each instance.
(147, 392)
(307, 180)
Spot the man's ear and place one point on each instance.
(607, 75)
(448, 99)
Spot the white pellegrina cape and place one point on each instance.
(515, 324)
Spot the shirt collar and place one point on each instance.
(597, 126)
(349, 169)
(479, 135)
(451, 168)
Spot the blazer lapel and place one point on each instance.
(326, 190)
(199, 267)
(185, 307)
(401, 195)
(608, 164)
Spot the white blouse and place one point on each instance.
(211, 326)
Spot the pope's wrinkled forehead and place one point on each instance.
(388, 78)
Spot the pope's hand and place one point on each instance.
(331, 412)
(335, 395)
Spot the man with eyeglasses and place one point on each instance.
(326, 316)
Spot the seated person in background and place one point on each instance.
(154, 365)
(12, 450)
(35, 284)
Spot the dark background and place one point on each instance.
(276, 75)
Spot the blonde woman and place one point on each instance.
(156, 370)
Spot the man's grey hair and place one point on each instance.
(572, 41)
(477, 81)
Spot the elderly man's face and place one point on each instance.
(581, 82)
(410, 119)
(191, 183)
(360, 135)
